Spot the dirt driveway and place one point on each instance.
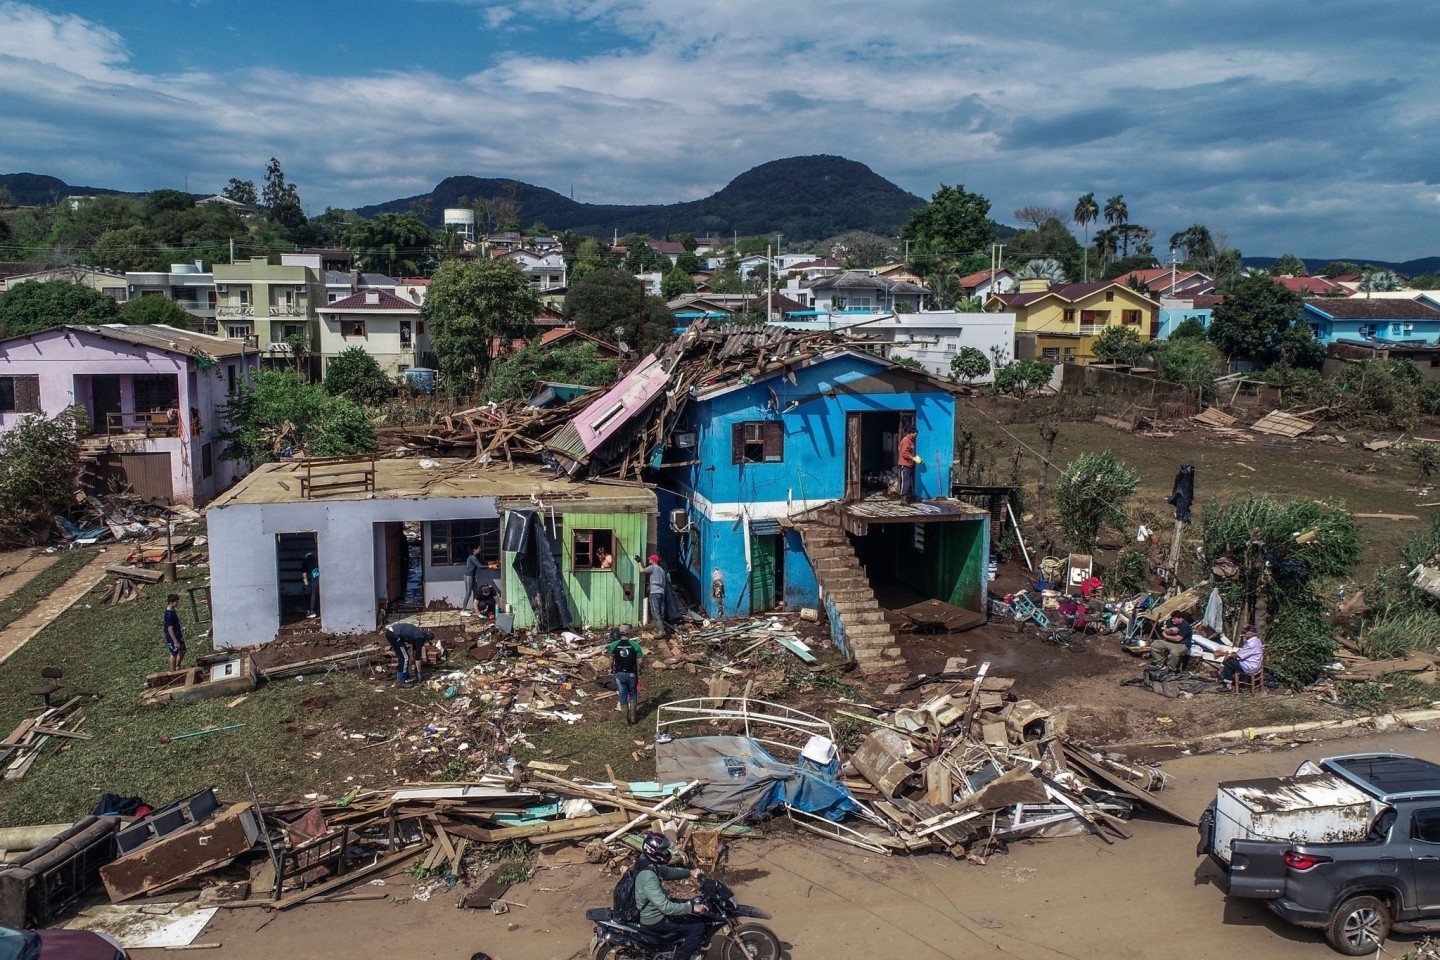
(1065, 899)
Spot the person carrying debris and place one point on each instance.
(674, 920)
(625, 656)
(1173, 646)
(907, 461)
(1249, 660)
(658, 582)
(404, 637)
(473, 566)
(174, 636)
(310, 577)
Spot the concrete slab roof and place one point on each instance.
(447, 479)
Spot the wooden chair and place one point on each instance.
(1255, 682)
(47, 690)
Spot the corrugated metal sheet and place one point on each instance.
(603, 418)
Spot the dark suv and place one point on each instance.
(1357, 891)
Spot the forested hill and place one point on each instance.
(804, 198)
(37, 189)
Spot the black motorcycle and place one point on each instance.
(614, 940)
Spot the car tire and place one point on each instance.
(1359, 926)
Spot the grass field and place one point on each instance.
(23, 600)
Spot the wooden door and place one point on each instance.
(104, 400)
(397, 561)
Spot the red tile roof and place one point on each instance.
(1065, 291)
(383, 300)
(980, 276)
(1309, 284)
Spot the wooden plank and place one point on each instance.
(459, 856)
(384, 863)
(1110, 780)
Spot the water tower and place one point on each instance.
(462, 221)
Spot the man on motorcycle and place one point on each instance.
(675, 920)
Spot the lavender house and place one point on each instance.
(152, 394)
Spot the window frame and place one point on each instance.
(1415, 825)
(352, 329)
(457, 546)
(22, 401)
(587, 535)
(767, 442)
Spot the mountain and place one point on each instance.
(34, 189)
(1408, 268)
(803, 198)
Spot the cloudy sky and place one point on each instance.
(1302, 126)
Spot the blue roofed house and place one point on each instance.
(774, 493)
(1364, 319)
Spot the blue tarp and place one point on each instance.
(743, 780)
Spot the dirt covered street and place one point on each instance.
(1148, 898)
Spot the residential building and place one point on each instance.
(1313, 286)
(669, 249)
(546, 271)
(152, 395)
(773, 480)
(721, 307)
(272, 305)
(1176, 310)
(1064, 319)
(983, 283)
(1162, 282)
(108, 282)
(1425, 356)
(386, 326)
(1360, 318)
(340, 284)
(403, 546)
(189, 285)
(852, 291)
(898, 270)
(932, 338)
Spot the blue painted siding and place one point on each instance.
(1329, 330)
(1172, 318)
(801, 588)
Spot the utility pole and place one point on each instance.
(769, 284)
(1172, 271)
(232, 251)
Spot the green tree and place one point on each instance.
(241, 191)
(676, 283)
(1289, 265)
(280, 409)
(1051, 241)
(1340, 268)
(639, 256)
(1091, 495)
(954, 223)
(969, 364)
(156, 310)
(1021, 377)
(516, 376)
(1116, 212)
(128, 248)
(688, 263)
(1188, 329)
(283, 200)
(1087, 211)
(1195, 245)
(1381, 281)
(1044, 268)
(396, 244)
(1249, 322)
(472, 308)
(39, 467)
(1117, 345)
(605, 299)
(37, 305)
(1190, 361)
(356, 374)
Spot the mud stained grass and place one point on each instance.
(604, 737)
(288, 747)
(46, 582)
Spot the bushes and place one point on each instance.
(1091, 494)
(1299, 643)
(39, 464)
(280, 411)
(1127, 575)
(356, 374)
(1396, 636)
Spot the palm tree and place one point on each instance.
(1106, 243)
(1116, 213)
(1046, 268)
(1086, 212)
(1381, 281)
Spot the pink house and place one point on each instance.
(152, 393)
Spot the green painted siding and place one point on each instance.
(950, 568)
(596, 597)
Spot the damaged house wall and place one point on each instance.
(597, 597)
(947, 561)
(724, 499)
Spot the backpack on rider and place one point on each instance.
(623, 907)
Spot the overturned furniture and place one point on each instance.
(216, 675)
(46, 881)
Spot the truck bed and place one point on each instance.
(1317, 808)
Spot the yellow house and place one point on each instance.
(1066, 318)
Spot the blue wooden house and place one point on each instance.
(776, 493)
(1372, 318)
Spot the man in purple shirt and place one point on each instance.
(1249, 660)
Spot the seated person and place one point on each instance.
(487, 600)
(1173, 646)
(1248, 660)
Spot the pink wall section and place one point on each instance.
(64, 359)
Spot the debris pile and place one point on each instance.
(123, 516)
(56, 726)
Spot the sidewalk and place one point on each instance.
(15, 636)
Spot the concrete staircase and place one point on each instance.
(856, 621)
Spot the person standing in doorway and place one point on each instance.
(658, 582)
(174, 636)
(907, 461)
(625, 657)
(473, 566)
(310, 577)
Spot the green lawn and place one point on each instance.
(22, 601)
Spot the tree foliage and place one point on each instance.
(241, 191)
(356, 375)
(1188, 329)
(39, 466)
(1091, 495)
(676, 283)
(954, 223)
(279, 410)
(1020, 377)
(969, 364)
(1191, 362)
(472, 307)
(1289, 265)
(156, 310)
(1117, 345)
(37, 305)
(516, 376)
(609, 299)
(396, 244)
(1249, 323)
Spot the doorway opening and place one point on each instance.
(767, 572)
(872, 446)
(294, 552)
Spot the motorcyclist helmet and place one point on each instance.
(656, 848)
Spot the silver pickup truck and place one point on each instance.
(1350, 844)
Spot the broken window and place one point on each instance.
(207, 461)
(452, 540)
(592, 550)
(757, 441)
(20, 394)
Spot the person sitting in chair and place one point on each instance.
(1248, 660)
(1173, 646)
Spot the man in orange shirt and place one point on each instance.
(907, 465)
